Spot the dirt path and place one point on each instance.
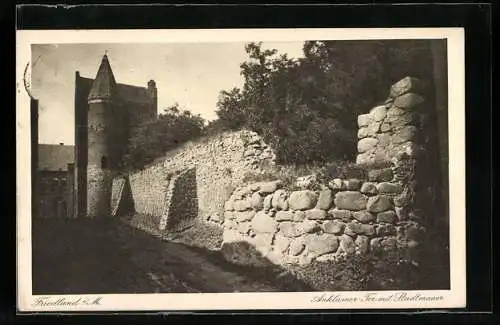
(89, 257)
(168, 263)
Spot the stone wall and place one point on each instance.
(116, 193)
(203, 181)
(221, 162)
(391, 129)
(125, 204)
(149, 189)
(122, 202)
(99, 186)
(345, 217)
(183, 210)
(385, 212)
(195, 180)
(403, 131)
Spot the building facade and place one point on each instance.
(55, 177)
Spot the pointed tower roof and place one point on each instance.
(104, 84)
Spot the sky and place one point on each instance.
(190, 74)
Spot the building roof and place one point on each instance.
(54, 157)
(134, 94)
(126, 93)
(104, 83)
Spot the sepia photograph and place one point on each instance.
(263, 165)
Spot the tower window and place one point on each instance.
(104, 162)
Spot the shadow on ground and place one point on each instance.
(108, 256)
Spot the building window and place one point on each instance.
(53, 185)
(104, 162)
(44, 186)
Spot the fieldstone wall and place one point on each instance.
(349, 216)
(202, 181)
(403, 131)
(392, 129)
(194, 180)
(345, 217)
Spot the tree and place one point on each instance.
(152, 139)
(307, 108)
(231, 108)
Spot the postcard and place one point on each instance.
(240, 169)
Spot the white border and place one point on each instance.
(454, 298)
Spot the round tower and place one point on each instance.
(103, 132)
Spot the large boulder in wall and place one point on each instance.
(350, 200)
(302, 200)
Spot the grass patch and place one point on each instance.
(324, 173)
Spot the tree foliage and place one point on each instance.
(307, 108)
(152, 139)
